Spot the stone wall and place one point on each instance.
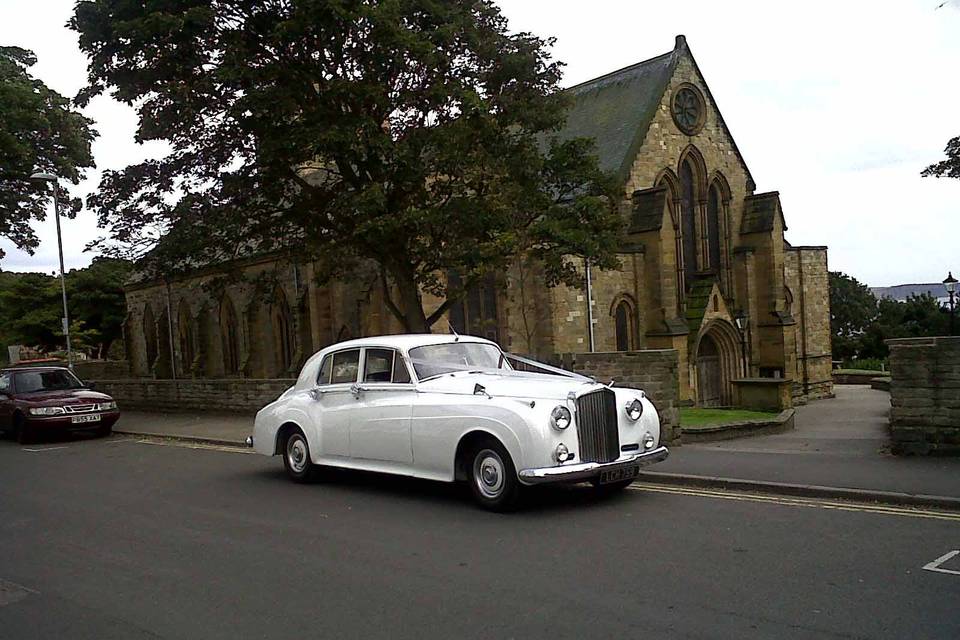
(102, 369)
(194, 395)
(925, 395)
(656, 371)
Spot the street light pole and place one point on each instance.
(52, 179)
(950, 284)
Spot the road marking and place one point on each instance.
(196, 445)
(11, 592)
(935, 565)
(800, 502)
(44, 449)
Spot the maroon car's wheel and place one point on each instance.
(21, 430)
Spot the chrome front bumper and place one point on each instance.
(587, 470)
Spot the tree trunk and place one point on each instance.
(410, 305)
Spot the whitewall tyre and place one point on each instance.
(296, 458)
(493, 478)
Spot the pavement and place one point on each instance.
(128, 538)
(838, 449)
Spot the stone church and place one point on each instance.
(704, 269)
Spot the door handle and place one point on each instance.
(357, 389)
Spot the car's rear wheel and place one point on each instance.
(493, 478)
(296, 458)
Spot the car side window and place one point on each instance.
(400, 372)
(5, 382)
(346, 366)
(324, 376)
(378, 365)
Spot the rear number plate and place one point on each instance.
(616, 475)
(93, 417)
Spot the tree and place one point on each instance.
(852, 308)
(918, 316)
(97, 300)
(949, 168)
(39, 131)
(410, 134)
(31, 307)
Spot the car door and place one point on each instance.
(380, 426)
(6, 399)
(333, 406)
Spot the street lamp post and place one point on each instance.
(950, 284)
(52, 179)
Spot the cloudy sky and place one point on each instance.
(836, 105)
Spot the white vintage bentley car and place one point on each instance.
(455, 408)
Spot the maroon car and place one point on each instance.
(36, 400)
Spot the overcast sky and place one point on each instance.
(836, 105)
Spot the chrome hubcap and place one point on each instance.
(297, 453)
(488, 473)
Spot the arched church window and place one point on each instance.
(713, 228)
(185, 336)
(476, 312)
(282, 329)
(230, 337)
(623, 325)
(688, 225)
(150, 336)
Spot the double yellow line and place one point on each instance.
(789, 501)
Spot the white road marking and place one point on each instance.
(935, 565)
(11, 592)
(45, 449)
(791, 501)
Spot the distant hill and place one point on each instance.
(903, 291)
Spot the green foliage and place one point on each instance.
(949, 168)
(413, 134)
(852, 308)
(860, 324)
(31, 307)
(39, 131)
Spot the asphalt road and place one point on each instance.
(123, 539)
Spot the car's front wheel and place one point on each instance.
(493, 478)
(296, 458)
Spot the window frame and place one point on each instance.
(393, 364)
(333, 355)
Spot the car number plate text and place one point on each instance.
(623, 473)
(93, 417)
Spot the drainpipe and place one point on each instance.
(586, 263)
(173, 357)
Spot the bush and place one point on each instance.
(868, 364)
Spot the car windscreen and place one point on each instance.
(437, 359)
(54, 380)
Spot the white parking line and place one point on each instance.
(935, 565)
(44, 449)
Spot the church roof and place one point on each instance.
(759, 212)
(616, 110)
(647, 213)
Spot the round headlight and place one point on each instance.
(634, 409)
(560, 417)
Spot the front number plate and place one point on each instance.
(93, 417)
(616, 475)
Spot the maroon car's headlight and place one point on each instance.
(46, 411)
(108, 406)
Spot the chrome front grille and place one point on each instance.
(80, 408)
(597, 426)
